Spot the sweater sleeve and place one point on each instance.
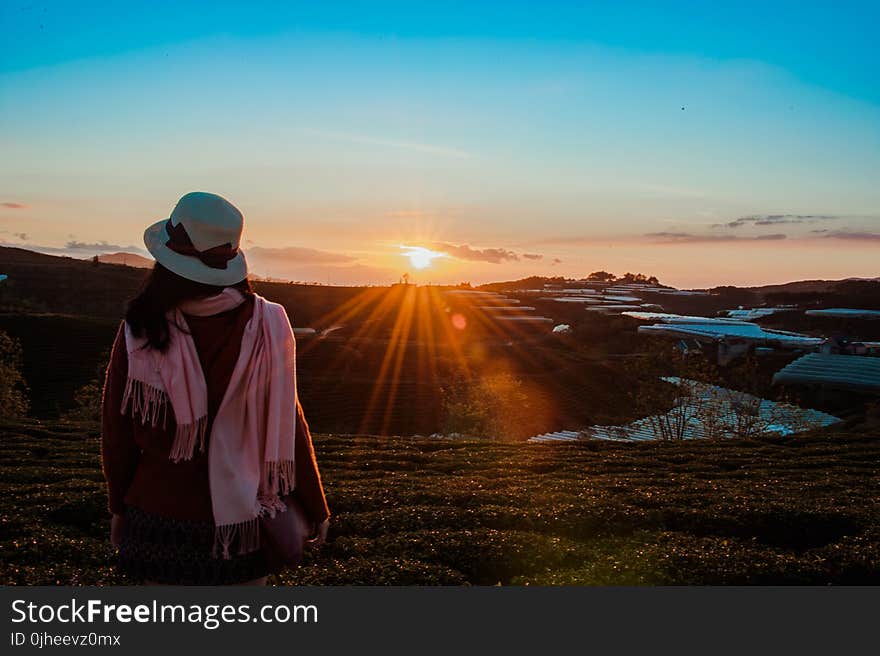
(309, 490)
(119, 451)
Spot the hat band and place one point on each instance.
(178, 241)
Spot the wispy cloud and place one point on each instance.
(13, 206)
(533, 256)
(430, 149)
(313, 265)
(776, 219)
(465, 252)
(696, 238)
(670, 191)
(353, 273)
(21, 235)
(295, 255)
(851, 235)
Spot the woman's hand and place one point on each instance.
(116, 527)
(321, 536)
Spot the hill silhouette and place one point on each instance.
(383, 360)
(66, 311)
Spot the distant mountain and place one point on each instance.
(799, 287)
(127, 259)
(808, 286)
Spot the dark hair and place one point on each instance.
(162, 291)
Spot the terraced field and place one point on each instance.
(422, 511)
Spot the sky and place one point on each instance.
(704, 143)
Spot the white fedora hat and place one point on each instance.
(200, 240)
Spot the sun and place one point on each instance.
(421, 257)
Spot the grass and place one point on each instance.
(423, 511)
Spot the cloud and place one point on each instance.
(21, 235)
(465, 252)
(533, 256)
(775, 219)
(14, 206)
(669, 235)
(295, 255)
(313, 265)
(556, 260)
(852, 235)
(671, 191)
(310, 272)
(429, 149)
(694, 238)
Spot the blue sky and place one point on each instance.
(614, 136)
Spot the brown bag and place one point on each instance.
(284, 536)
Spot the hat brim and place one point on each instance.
(192, 268)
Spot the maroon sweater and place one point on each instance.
(135, 456)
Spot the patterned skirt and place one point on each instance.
(176, 552)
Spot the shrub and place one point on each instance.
(87, 399)
(13, 389)
(494, 406)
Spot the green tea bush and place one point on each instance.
(410, 511)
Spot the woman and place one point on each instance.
(203, 436)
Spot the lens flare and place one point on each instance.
(420, 257)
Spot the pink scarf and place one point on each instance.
(251, 448)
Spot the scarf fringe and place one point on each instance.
(246, 533)
(280, 476)
(150, 403)
(271, 505)
(187, 437)
(147, 402)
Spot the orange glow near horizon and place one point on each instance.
(683, 265)
(422, 325)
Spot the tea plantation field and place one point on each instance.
(425, 511)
